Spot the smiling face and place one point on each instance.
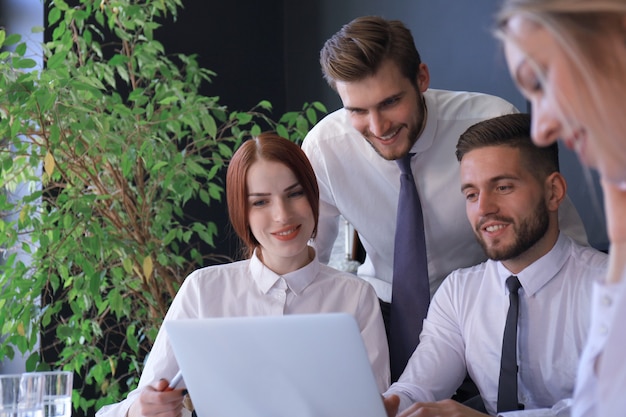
(507, 206)
(571, 101)
(280, 216)
(386, 108)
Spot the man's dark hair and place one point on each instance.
(512, 130)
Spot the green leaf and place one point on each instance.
(57, 60)
(209, 125)
(24, 63)
(62, 5)
(118, 59)
(12, 39)
(311, 115)
(282, 131)
(20, 49)
(54, 15)
(168, 100)
(320, 107)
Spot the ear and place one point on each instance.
(556, 190)
(423, 77)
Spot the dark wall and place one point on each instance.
(268, 50)
(242, 42)
(239, 40)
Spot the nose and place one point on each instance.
(486, 204)
(378, 124)
(281, 212)
(545, 126)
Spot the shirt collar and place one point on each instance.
(297, 281)
(540, 272)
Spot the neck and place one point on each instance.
(534, 253)
(617, 263)
(283, 266)
(614, 206)
(425, 118)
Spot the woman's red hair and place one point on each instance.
(270, 147)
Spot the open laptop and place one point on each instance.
(297, 366)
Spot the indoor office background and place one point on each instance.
(268, 50)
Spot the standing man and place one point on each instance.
(390, 118)
(517, 323)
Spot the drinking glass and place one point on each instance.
(57, 393)
(21, 395)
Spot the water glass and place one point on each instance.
(57, 393)
(21, 395)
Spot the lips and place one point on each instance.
(389, 136)
(385, 139)
(492, 227)
(287, 233)
(576, 142)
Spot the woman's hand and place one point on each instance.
(157, 400)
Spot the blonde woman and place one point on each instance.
(568, 57)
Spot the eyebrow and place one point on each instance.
(379, 104)
(494, 180)
(289, 188)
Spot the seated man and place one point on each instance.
(513, 191)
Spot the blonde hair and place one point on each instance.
(590, 34)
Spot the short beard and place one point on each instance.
(530, 231)
(412, 135)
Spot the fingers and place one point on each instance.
(154, 401)
(391, 405)
(444, 408)
(161, 385)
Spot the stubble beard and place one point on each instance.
(413, 133)
(529, 232)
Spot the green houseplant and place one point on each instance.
(110, 140)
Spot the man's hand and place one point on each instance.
(444, 408)
(391, 405)
(157, 400)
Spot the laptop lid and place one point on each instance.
(296, 365)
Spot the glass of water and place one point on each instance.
(57, 393)
(21, 395)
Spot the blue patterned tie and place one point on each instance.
(507, 385)
(411, 287)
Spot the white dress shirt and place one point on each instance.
(603, 393)
(249, 288)
(358, 184)
(465, 324)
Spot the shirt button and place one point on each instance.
(606, 301)
(603, 330)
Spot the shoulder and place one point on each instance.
(343, 279)
(465, 279)
(587, 257)
(332, 127)
(469, 105)
(213, 273)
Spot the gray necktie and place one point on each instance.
(507, 385)
(411, 287)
